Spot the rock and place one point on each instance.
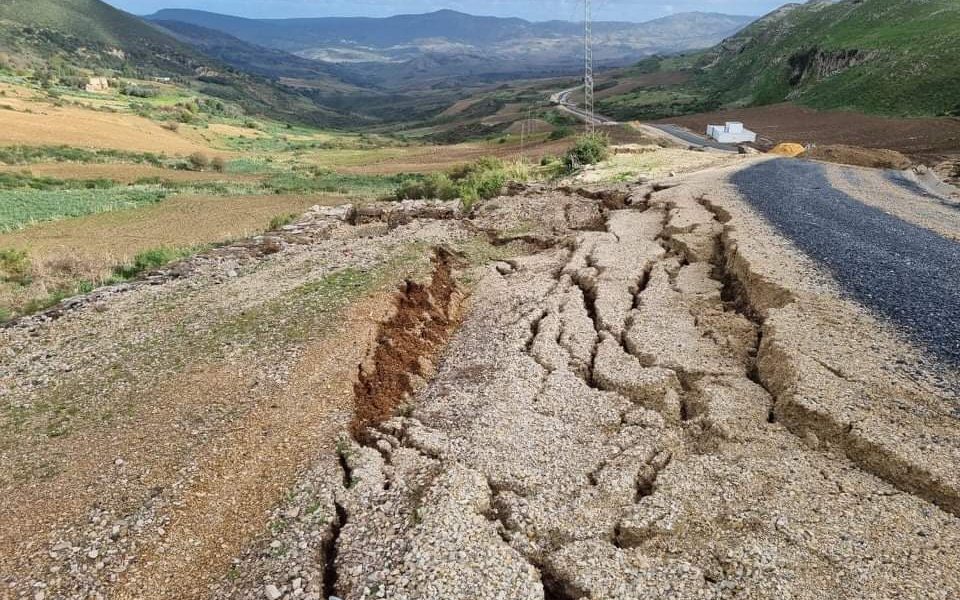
(271, 592)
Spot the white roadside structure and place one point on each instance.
(731, 133)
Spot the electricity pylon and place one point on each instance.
(588, 63)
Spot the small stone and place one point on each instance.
(292, 513)
(271, 592)
(93, 554)
(119, 462)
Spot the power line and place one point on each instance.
(588, 100)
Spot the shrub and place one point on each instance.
(219, 164)
(149, 260)
(171, 125)
(14, 266)
(561, 132)
(434, 186)
(589, 150)
(281, 220)
(483, 185)
(135, 91)
(199, 161)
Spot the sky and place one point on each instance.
(535, 10)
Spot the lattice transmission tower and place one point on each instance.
(588, 105)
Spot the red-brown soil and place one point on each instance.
(919, 138)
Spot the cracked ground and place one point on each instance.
(646, 392)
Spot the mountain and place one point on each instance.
(448, 44)
(898, 57)
(259, 60)
(91, 36)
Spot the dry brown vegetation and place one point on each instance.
(48, 125)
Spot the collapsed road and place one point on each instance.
(648, 391)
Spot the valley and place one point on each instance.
(345, 308)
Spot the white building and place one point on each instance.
(731, 133)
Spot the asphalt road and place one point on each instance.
(692, 138)
(906, 273)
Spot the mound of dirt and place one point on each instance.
(788, 149)
(860, 157)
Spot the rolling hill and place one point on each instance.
(89, 36)
(885, 57)
(898, 57)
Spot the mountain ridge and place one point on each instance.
(402, 37)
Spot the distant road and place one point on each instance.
(562, 99)
(904, 272)
(692, 138)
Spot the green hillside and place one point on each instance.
(61, 39)
(899, 57)
(887, 57)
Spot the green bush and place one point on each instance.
(14, 266)
(590, 149)
(482, 185)
(281, 220)
(561, 132)
(471, 182)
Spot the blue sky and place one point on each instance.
(537, 10)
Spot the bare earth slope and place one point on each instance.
(650, 392)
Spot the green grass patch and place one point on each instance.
(318, 180)
(22, 207)
(25, 155)
(14, 181)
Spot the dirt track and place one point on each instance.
(652, 393)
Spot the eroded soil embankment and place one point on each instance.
(425, 316)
